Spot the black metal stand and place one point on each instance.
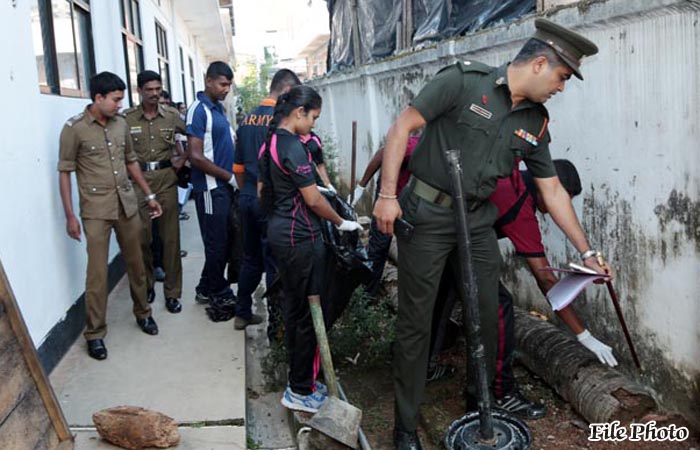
(484, 429)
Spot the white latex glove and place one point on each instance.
(602, 351)
(331, 188)
(349, 225)
(232, 181)
(359, 190)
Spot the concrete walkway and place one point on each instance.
(192, 371)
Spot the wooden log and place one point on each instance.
(598, 392)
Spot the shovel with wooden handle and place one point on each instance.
(337, 419)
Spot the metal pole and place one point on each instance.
(353, 162)
(472, 320)
(408, 24)
(364, 443)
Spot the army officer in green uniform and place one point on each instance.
(153, 127)
(96, 146)
(493, 115)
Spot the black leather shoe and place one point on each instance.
(520, 406)
(173, 305)
(97, 349)
(150, 295)
(404, 440)
(148, 325)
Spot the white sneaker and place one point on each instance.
(320, 388)
(296, 402)
(320, 392)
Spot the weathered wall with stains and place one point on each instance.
(631, 128)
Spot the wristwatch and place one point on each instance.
(150, 197)
(588, 253)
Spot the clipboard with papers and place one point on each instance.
(575, 280)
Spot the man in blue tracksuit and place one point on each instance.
(210, 148)
(257, 257)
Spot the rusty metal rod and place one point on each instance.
(618, 310)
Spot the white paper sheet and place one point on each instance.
(568, 288)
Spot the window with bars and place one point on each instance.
(133, 45)
(62, 37)
(194, 89)
(182, 77)
(163, 60)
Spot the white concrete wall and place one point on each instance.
(178, 35)
(46, 268)
(632, 130)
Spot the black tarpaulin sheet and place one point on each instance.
(433, 20)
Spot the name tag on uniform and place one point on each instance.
(135, 130)
(527, 137)
(483, 112)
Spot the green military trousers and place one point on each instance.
(163, 183)
(422, 259)
(97, 235)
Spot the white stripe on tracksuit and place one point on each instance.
(208, 204)
(208, 146)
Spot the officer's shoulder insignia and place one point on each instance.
(129, 110)
(74, 119)
(474, 66)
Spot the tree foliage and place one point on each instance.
(256, 83)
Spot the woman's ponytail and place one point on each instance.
(267, 194)
(298, 96)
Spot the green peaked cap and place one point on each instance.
(570, 46)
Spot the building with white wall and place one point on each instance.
(51, 49)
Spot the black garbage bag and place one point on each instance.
(221, 309)
(235, 231)
(274, 294)
(347, 265)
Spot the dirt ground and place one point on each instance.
(563, 428)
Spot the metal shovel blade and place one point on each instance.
(338, 420)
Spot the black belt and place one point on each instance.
(150, 166)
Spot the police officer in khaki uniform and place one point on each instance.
(493, 115)
(96, 146)
(153, 126)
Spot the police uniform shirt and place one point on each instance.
(467, 106)
(517, 220)
(251, 135)
(98, 155)
(217, 143)
(291, 168)
(153, 139)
